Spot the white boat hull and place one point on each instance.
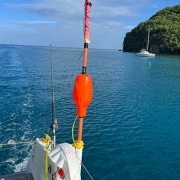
(145, 53)
(62, 156)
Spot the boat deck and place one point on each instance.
(17, 176)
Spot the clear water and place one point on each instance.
(132, 128)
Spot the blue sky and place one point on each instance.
(60, 22)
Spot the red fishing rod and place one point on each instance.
(82, 93)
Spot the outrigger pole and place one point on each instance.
(82, 93)
(86, 33)
(54, 125)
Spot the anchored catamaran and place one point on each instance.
(145, 52)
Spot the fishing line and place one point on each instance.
(80, 56)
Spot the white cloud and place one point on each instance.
(109, 18)
(52, 9)
(34, 22)
(129, 27)
(60, 10)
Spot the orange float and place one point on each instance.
(82, 94)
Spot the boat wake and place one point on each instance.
(16, 123)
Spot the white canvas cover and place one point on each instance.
(62, 156)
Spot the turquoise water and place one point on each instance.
(132, 128)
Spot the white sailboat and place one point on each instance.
(145, 52)
(52, 161)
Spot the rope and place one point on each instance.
(85, 168)
(77, 144)
(46, 161)
(46, 139)
(73, 128)
(16, 143)
(87, 171)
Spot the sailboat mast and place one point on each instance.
(148, 38)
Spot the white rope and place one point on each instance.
(87, 171)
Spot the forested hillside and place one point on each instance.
(164, 33)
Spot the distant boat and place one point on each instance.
(145, 52)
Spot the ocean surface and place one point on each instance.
(132, 127)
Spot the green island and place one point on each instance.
(164, 29)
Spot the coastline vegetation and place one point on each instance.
(164, 29)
